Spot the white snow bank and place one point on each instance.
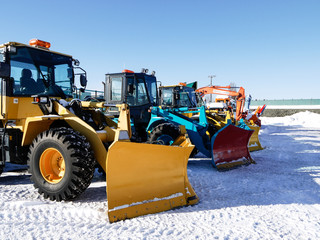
(305, 119)
(288, 107)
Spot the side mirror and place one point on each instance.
(130, 88)
(4, 70)
(83, 80)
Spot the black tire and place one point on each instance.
(79, 164)
(167, 129)
(164, 133)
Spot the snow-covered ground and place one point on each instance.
(288, 107)
(277, 198)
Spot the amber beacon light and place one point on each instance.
(39, 43)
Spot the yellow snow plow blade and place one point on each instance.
(147, 178)
(254, 143)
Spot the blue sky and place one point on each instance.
(271, 47)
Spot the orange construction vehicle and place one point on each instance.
(251, 119)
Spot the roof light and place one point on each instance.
(127, 71)
(39, 43)
(182, 84)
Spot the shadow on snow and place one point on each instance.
(287, 172)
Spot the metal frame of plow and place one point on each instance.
(147, 178)
(254, 143)
(230, 147)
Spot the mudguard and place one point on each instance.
(230, 147)
(147, 178)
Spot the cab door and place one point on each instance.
(138, 100)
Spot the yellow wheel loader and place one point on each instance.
(61, 138)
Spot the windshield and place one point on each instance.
(152, 89)
(167, 96)
(138, 96)
(187, 98)
(116, 88)
(199, 100)
(34, 72)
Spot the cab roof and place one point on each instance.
(16, 44)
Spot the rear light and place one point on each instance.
(41, 100)
(39, 43)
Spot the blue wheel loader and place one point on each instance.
(220, 116)
(159, 121)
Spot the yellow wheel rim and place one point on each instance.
(52, 165)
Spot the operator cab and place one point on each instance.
(35, 70)
(138, 90)
(135, 89)
(29, 73)
(178, 96)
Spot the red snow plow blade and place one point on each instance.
(230, 147)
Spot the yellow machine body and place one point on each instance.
(147, 178)
(254, 142)
(141, 178)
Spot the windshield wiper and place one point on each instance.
(46, 84)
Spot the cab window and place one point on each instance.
(152, 89)
(116, 86)
(167, 97)
(23, 75)
(138, 95)
(34, 72)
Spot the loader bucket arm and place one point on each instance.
(196, 130)
(240, 103)
(141, 178)
(86, 130)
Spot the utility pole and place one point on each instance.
(211, 76)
